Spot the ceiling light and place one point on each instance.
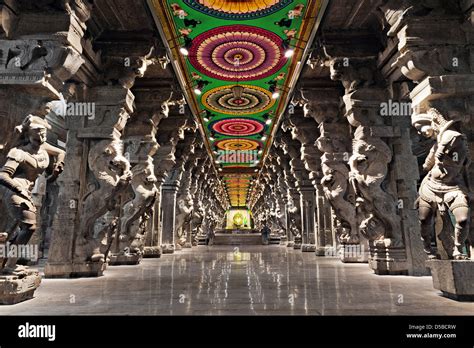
(184, 51)
(197, 91)
(268, 121)
(275, 95)
(205, 119)
(217, 162)
(264, 138)
(289, 53)
(220, 169)
(256, 170)
(260, 152)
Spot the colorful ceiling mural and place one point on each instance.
(237, 60)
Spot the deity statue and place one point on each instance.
(26, 161)
(445, 189)
(183, 215)
(138, 209)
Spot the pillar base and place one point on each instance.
(75, 270)
(15, 289)
(321, 251)
(388, 261)
(167, 248)
(290, 244)
(453, 278)
(274, 240)
(187, 245)
(310, 248)
(297, 246)
(124, 259)
(151, 252)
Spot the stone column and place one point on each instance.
(171, 130)
(306, 132)
(83, 219)
(139, 200)
(292, 195)
(302, 182)
(171, 187)
(36, 60)
(434, 50)
(370, 174)
(185, 202)
(334, 142)
(168, 199)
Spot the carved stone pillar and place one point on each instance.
(334, 141)
(139, 200)
(95, 174)
(36, 60)
(376, 206)
(300, 179)
(185, 202)
(168, 206)
(435, 51)
(293, 197)
(170, 191)
(305, 131)
(169, 132)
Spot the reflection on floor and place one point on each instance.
(225, 280)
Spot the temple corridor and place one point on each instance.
(236, 157)
(223, 280)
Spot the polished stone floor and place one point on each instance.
(223, 280)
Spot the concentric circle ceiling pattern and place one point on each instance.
(238, 9)
(240, 144)
(253, 100)
(237, 53)
(236, 59)
(237, 126)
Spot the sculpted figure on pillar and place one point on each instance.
(197, 219)
(109, 175)
(139, 209)
(335, 143)
(368, 164)
(376, 208)
(139, 199)
(184, 211)
(26, 161)
(336, 186)
(445, 189)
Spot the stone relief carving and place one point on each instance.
(445, 189)
(377, 208)
(336, 186)
(109, 175)
(125, 74)
(137, 210)
(184, 211)
(26, 161)
(355, 73)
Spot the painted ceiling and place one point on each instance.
(236, 60)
